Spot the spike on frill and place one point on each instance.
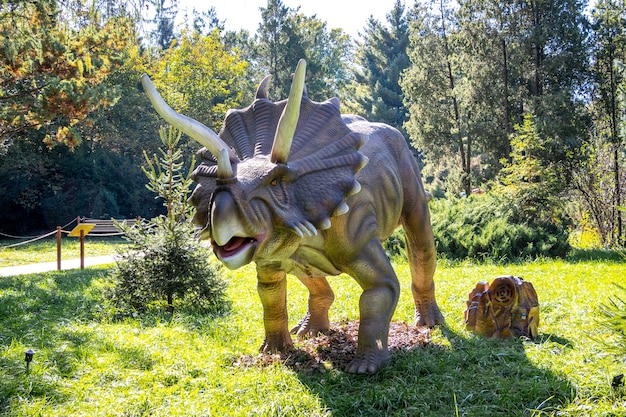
(262, 91)
(341, 209)
(324, 224)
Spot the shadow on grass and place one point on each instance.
(470, 376)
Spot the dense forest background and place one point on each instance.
(524, 100)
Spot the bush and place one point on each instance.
(484, 227)
(167, 267)
(614, 320)
(165, 264)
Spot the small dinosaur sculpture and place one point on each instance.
(300, 189)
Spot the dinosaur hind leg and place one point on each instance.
(422, 258)
(320, 299)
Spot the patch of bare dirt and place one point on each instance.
(337, 348)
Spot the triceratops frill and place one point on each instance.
(299, 188)
(320, 170)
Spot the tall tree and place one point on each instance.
(273, 38)
(438, 123)
(487, 50)
(609, 24)
(84, 61)
(382, 57)
(165, 12)
(52, 70)
(285, 36)
(555, 68)
(490, 62)
(200, 78)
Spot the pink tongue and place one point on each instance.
(234, 243)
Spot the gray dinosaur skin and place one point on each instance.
(283, 217)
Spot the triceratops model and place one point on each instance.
(299, 188)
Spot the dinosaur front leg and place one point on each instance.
(272, 289)
(377, 303)
(320, 299)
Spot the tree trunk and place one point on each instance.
(465, 157)
(506, 104)
(170, 303)
(618, 197)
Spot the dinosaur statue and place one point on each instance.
(300, 189)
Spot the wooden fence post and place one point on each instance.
(58, 248)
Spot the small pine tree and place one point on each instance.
(164, 263)
(529, 182)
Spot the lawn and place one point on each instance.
(45, 250)
(89, 362)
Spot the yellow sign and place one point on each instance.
(85, 227)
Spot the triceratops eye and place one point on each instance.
(274, 182)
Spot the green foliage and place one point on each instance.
(285, 36)
(529, 181)
(200, 78)
(479, 65)
(486, 227)
(165, 264)
(382, 55)
(53, 66)
(45, 188)
(614, 319)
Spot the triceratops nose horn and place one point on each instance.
(196, 130)
(289, 119)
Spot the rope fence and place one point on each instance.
(102, 228)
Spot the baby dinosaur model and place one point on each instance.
(300, 189)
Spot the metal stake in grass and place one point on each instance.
(28, 357)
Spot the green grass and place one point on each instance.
(88, 363)
(45, 250)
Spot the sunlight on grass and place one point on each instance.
(45, 250)
(89, 362)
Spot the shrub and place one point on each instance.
(484, 227)
(164, 263)
(614, 320)
(167, 267)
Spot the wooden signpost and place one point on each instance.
(81, 230)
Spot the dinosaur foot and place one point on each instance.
(368, 361)
(428, 314)
(277, 343)
(309, 327)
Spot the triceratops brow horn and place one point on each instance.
(224, 167)
(289, 119)
(196, 130)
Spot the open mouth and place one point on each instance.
(234, 246)
(238, 251)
